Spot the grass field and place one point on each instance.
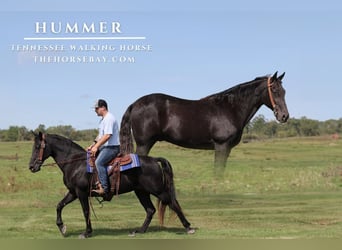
(282, 188)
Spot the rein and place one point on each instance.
(64, 162)
(269, 86)
(41, 153)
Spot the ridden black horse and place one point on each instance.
(214, 122)
(154, 177)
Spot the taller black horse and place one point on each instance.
(153, 177)
(214, 122)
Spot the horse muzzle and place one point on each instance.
(35, 167)
(281, 116)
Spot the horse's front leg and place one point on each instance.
(69, 197)
(144, 149)
(222, 152)
(83, 197)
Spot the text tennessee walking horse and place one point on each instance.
(214, 122)
(150, 178)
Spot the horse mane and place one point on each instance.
(67, 140)
(241, 89)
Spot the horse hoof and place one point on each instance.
(62, 229)
(190, 231)
(132, 234)
(84, 235)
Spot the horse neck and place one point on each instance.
(63, 150)
(250, 100)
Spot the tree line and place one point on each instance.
(21, 133)
(257, 128)
(260, 128)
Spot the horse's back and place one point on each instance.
(160, 98)
(158, 117)
(164, 106)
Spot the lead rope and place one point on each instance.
(89, 199)
(90, 170)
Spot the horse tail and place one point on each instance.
(169, 188)
(126, 137)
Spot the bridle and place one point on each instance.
(41, 149)
(41, 154)
(269, 86)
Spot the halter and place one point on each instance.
(269, 86)
(41, 149)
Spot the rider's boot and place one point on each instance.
(100, 191)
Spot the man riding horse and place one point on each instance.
(106, 146)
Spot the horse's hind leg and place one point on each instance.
(146, 202)
(69, 197)
(174, 205)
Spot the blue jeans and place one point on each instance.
(106, 154)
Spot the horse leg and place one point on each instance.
(145, 201)
(69, 197)
(174, 205)
(83, 197)
(144, 149)
(222, 152)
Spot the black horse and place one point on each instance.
(154, 177)
(214, 122)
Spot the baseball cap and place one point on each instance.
(101, 103)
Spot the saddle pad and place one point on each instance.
(90, 169)
(134, 164)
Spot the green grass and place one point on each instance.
(284, 188)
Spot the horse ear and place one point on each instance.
(281, 76)
(33, 133)
(274, 77)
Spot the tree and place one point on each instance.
(12, 134)
(271, 129)
(309, 127)
(41, 128)
(258, 125)
(67, 131)
(290, 129)
(331, 127)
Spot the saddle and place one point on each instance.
(120, 160)
(114, 170)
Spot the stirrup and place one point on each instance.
(99, 190)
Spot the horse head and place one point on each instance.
(276, 94)
(40, 152)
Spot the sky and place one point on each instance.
(188, 49)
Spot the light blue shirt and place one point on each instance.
(109, 125)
